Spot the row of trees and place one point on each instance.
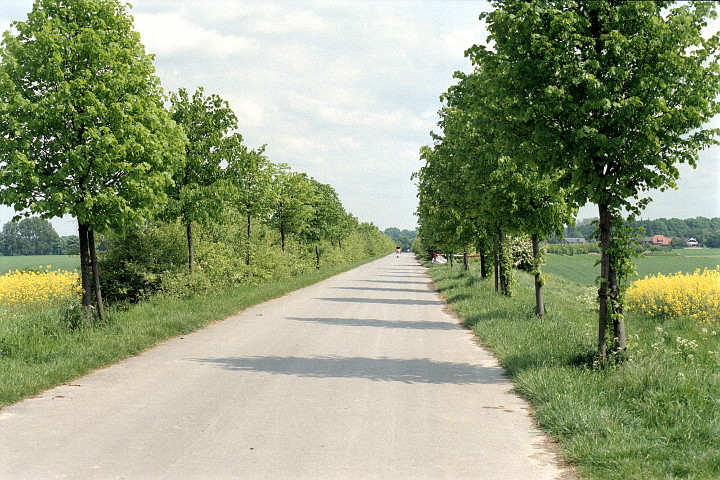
(402, 238)
(705, 230)
(85, 130)
(34, 236)
(574, 102)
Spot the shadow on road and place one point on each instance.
(389, 301)
(374, 322)
(416, 370)
(377, 289)
(408, 282)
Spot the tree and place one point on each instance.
(10, 239)
(328, 219)
(83, 130)
(252, 178)
(37, 236)
(199, 192)
(613, 95)
(293, 203)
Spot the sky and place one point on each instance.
(346, 92)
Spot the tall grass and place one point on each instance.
(41, 347)
(655, 415)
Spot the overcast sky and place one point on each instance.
(344, 91)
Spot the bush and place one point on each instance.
(136, 260)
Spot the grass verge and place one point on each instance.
(654, 416)
(42, 347)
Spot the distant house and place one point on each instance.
(692, 243)
(661, 240)
(575, 240)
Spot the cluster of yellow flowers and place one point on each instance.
(695, 295)
(38, 287)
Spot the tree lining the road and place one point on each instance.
(587, 102)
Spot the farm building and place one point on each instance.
(660, 240)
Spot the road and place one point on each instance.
(362, 376)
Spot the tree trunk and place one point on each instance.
(85, 272)
(619, 337)
(96, 274)
(317, 257)
(466, 261)
(282, 237)
(539, 302)
(496, 261)
(483, 266)
(503, 267)
(247, 260)
(603, 291)
(191, 249)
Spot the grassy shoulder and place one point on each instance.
(656, 415)
(42, 348)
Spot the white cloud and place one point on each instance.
(171, 34)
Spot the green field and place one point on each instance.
(581, 269)
(20, 262)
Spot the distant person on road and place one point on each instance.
(397, 251)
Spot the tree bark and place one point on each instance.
(96, 274)
(466, 261)
(539, 301)
(503, 273)
(483, 267)
(603, 291)
(282, 237)
(191, 249)
(496, 261)
(85, 272)
(247, 260)
(317, 257)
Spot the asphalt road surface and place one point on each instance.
(362, 376)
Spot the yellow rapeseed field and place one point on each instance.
(38, 287)
(695, 295)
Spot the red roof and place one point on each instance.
(661, 240)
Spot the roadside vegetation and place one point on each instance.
(179, 222)
(49, 343)
(654, 413)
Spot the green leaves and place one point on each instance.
(83, 130)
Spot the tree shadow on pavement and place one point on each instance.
(389, 301)
(415, 370)
(394, 281)
(378, 289)
(374, 322)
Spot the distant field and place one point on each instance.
(581, 269)
(62, 262)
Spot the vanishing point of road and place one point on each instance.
(362, 376)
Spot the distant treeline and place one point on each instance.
(705, 230)
(403, 238)
(35, 236)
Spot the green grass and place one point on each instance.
(40, 349)
(654, 416)
(581, 269)
(22, 262)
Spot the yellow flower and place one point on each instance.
(695, 295)
(22, 288)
